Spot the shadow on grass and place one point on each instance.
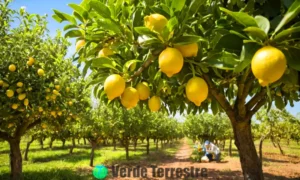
(74, 157)
(53, 174)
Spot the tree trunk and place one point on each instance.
(127, 149)
(93, 144)
(15, 159)
(148, 146)
(230, 147)
(73, 146)
(297, 142)
(84, 141)
(51, 142)
(27, 148)
(154, 140)
(135, 144)
(281, 151)
(63, 143)
(156, 145)
(288, 141)
(272, 139)
(224, 143)
(250, 162)
(142, 140)
(115, 144)
(78, 141)
(41, 143)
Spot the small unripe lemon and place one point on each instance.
(130, 98)
(12, 68)
(70, 103)
(20, 84)
(189, 50)
(67, 89)
(9, 93)
(15, 106)
(1, 82)
(143, 90)
(114, 86)
(55, 92)
(105, 52)
(154, 103)
(26, 102)
(41, 72)
(21, 97)
(196, 90)
(5, 85)
(59, 113)
(48, 90)
(155, 22)
(80, 44)
(57, 87)
(53, 113)
(268, 65)
(170, 61)
(53, 97)
(41, 109)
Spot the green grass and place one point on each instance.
(59, 164)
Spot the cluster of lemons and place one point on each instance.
(10, 93)
(268, 65)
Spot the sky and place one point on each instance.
(43, 7)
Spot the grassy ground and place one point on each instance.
(57, 163)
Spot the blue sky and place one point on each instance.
(45, 7)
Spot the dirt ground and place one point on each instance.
(276, 167)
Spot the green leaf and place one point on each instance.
(285, 33)
(101, 9)
(177, 5)
(194, 6)
(188, 39)
(57, 18)
(104, 62)
(223, 60)
(86, 67)
(229, 42)
(109, 25)
(74, 33)
(292, 12)
(145, 31)
(96, 81)
(70, 26)
(65, 17)
(292, 56)
(256, 33)
(279, 103)
(247, 53)
(263, 23)
(172, 23)
(129, 63)
(241, 17)
(214, 106)
(80, 10)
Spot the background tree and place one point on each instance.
(227, 35)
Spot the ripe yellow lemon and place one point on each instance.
(189, 50)
(9, 93)
(26, 102)
(196, 90)
(143, 90)
(53, 113)
(57, 87)
(59, 113)
(15, 106)
(154, 103)
(20, 84)
(80, 44)
(130, 97)
(55, 92)
(30, 61)
(12, 68)
(114, 86)
(105, 52)
(268, 65)
(21, 97)
(41, 72)
(53, 97)
(155, 22)
(70, 103)
(41, 109)
(170, 61)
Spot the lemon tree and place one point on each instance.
(33, 79)
(159, 39)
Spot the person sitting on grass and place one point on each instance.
(211, 149)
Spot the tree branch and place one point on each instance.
(240, 100)
(32, 125)
(219, 96)
(4, 135)
(260, 103)
(255, 99)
